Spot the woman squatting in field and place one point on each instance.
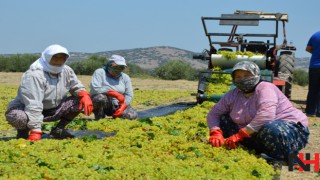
(42, 96)
(258, 115)
(111, 90)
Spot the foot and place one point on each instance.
(22, 133)
(59, 133)
(277, 163)
(99, 115)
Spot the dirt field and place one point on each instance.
(298, 99)
(142, 84)
(299, 95)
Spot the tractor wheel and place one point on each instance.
(286, 52)
(286, 67)
(199, 100)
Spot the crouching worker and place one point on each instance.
(42, 96)
(111, 90)
(257, 115)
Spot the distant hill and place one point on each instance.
(148, 58)
(152, 57)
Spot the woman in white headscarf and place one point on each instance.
(42, 96)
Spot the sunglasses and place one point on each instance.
(115, 66)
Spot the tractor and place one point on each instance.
(276, 61)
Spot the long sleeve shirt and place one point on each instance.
(39, 91)
(266, 104)
(101, 83)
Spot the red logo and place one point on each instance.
(304, 163)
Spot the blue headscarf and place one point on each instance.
(113, 72)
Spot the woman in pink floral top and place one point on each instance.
(258, 115)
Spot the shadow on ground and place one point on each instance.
(165, 110)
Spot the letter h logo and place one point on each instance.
(304, 164)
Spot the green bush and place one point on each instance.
(88, 66)
(172, 70)
(134, 70)
(176, 69)
(17, 63)
(300, 77)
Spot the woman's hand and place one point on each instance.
(119, 112)
(85, 102)
(216, 138)
(240, 136)
(115, 94)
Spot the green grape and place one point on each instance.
(229, 55)
(218, 83)
(169, 147)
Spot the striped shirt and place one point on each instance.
(266, 104)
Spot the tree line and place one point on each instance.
(170, 70)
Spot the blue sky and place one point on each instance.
(103, 25)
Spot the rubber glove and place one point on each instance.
(34, 136)
(240, 136)
(120, 110)
(216, 138)
(85, 102)
(115, 94)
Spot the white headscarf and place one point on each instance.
(44, 61)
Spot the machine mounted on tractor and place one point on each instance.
(276, 61)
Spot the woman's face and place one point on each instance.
(58, 59)
(117, 67)
(240, 75)
(115, 70)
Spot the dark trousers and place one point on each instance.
(276, 139)
(103, 105)
(313, 98)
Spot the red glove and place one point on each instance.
(119, 111)
(115, 94)
(34, 136)
(232, 140)
(216, 138)
(85, 102)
